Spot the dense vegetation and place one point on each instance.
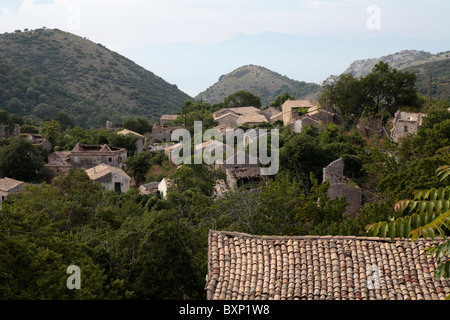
(88, 72)
(132, 246)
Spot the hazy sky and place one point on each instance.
(127, 25)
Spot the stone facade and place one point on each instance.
(166, 118)
(112, 178)
(9, 186)
(87, 156)
(406, 123)
(58, 163)
(303, 122)
(290, 109)
(140, 142)
(340, 186)
(6, 132)
(38, 140)
(163, 133)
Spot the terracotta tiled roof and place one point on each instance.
(242, 266)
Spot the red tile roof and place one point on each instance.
(242, 266)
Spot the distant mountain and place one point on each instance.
(260, 81)
(87, 69)
(426, 67)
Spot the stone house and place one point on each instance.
(406, 123)
(9, 186)
(112, 178)
(166, 118)
(264, 267)
(233, 117)
(38, 140)
(140, 142)
(294, 109)
(162, 133)
(241, 169)
(58, 163)
(340, 186)
(168, 150)
(228, 119)
(5, 130)
(304, 121)
(272, 114)
(251, 119)
(87, 156)
(149, 188)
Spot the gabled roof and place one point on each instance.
(169, 117)
(11, 185)
(80, 147)
(102, 170)
(126, 131)
(242, 266)
(252, 118)
(236, 111)
(292, 104)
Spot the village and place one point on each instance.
(106, 164)
(245, 266)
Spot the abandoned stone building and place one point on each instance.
(163, 133)
(9, 186)
(340, 186)
(38, 140)
(58, 163)
(406, 123)
(140, 141)
(293, 109)
(7, 130)
(87, 156)
(233, 117)
(167, 119)
(112, 178)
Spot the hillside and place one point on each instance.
(421, 63)
(260, 81)
(38, 98)
(87, 69)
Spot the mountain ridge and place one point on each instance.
(262, 82)
(85, 68)
(432, 70)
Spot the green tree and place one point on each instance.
(242, 99)
(138, 165)
(281, 99)
(377, 95)
(21, 160)
(139, 124)
(51, 130)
